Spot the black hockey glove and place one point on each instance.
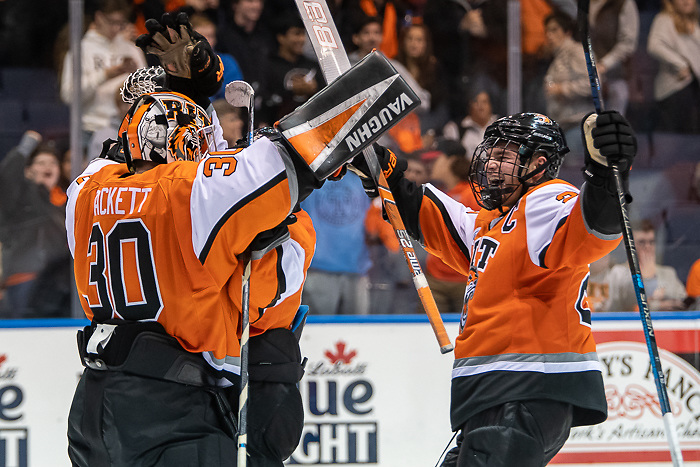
(608, 139)
(393, 168)
(192, 66)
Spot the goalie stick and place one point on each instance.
(642, 303)
(241, 94)
(334, 61)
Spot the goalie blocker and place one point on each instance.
(348, 115)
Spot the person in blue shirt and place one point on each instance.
(337, 281)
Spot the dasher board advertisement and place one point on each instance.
(376, 392)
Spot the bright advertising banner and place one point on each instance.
(39, 369)
(374, 394)
(634, 431)
(377, 393)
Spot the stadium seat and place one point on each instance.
(682, 237)
(8, 140)
(29, 83)
(681, 258)
(669, 148)
(48, 117)
(12, 117)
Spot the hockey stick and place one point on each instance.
(241, 94)
(642, 303)
(334, 61)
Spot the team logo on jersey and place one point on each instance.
(485, 249)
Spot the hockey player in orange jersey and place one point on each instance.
(155, 242)
(156, 227)
(526, 368)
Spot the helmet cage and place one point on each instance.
(492, 195)
(526, 134)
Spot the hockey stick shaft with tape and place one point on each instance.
(334, 61)
(241, 94)
(632, 259)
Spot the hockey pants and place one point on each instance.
(514, 434)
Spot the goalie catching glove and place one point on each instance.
(608, 140)
(192, 67)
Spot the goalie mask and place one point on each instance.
(165, 127)
(501, 163)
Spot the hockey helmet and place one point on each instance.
(165, 127)
(526, 134)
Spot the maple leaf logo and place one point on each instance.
(2, 359)
(340, 355)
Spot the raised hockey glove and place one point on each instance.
(393, 168)
(608, 139)
(192, 66)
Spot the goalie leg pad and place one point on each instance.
(348, 115)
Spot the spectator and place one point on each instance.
(416, 55)
(406, 136)
(107, 58)
(484, 34)
(392, 15)
(202, 24)
(450, 172)
(147, 9)
(566, 84)
(26, 37)
(232, 120)
(674, 41)
(692, 285)
(35, 259)
(443, 18)
(337, 281)
(292, 78)
(597, 291)
(614, 34)
(665, 291)
(470, 131)
(248, 40)
(366, 36)
(534, 52)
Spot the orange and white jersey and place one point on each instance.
(280, 273)
(525, 330)
(161, 245)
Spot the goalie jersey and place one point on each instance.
(525, 328)
(161, 245)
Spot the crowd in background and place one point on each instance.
(452, 53)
